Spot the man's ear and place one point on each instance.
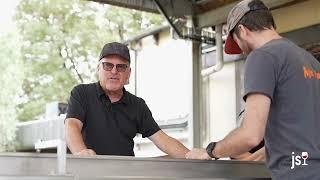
(98, 66)
(97, 71)
(127, 82)
(243, 30)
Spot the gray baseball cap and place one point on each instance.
(235, 15)
(115, 48)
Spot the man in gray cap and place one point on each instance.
(103, 118)
(282, 94)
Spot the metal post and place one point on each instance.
(61, 152)
(196, 93)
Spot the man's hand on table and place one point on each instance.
(197, 153)
(86, 152)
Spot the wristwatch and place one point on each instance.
(210, 148)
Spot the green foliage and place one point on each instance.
(61, 40)
(10, 80)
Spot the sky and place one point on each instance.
(7, 10)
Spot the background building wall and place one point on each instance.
(164, 80)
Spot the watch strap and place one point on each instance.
(210, 148)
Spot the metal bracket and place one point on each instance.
(188, 33)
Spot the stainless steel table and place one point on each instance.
(25, 166)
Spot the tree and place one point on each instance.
(10, 80)
(61, 40)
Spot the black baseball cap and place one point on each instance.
(115, 48)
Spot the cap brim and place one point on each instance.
(231, 47)
(115, 53)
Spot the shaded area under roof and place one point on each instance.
(173, 7)
(206, 12)
(142, 5)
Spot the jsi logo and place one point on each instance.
(296, 160)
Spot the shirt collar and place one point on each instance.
(124, 99)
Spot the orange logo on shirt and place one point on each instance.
(310, 73)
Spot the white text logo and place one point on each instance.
(296, 160)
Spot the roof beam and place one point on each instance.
(177, 8)
(141, 5)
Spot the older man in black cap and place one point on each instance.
(103, 118)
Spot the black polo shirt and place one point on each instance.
(109, 128)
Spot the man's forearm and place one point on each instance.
(74, 138)
(169, 145)
(248, 135)
(251, 131)
(235, 143)
(176, 149)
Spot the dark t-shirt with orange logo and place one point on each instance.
(290, 77)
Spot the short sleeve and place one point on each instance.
(260, 74)
(76, 105)
(147, 125)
